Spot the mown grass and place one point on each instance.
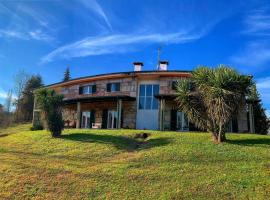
(111, 164)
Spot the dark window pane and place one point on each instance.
(108, 87)
(155, 104)
(117, 86)
(141, 102)
(148, 90)
(80, 90)
(148, 101)
(156, 89)
(142, 90)
(94, 88)
(174, 85)
(90, 89)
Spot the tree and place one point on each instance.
(27, 98)
(20, 79)
(211, 97)
(8, 103)
(261, 122)
(51, 105)
(66, 74)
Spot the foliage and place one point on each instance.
(36, 127)
(101, 164)
(262, 123)
(51, 105)
(66, 75)
(211, 97)
(25, 104)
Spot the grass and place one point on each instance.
(111, 164)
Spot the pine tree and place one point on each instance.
(67, 75)
(261, 121)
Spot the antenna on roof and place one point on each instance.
(158, 56)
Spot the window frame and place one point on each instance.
(115, 85)
(92, 86)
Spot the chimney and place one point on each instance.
(163, 65)
(137, 66)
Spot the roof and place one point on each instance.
(99, 98)
(116, 74)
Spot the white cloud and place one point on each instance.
(94, 6)
(39, 35)
(112, 44)
(257, 22)
(255, 54)
(12, 34)
(264, 83)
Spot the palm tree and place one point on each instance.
(211, 96)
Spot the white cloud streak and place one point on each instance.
(264, 83)
(95, 7)
(112, 44)
(258, 22)
(255, 54)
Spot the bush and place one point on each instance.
(36, 127)
(51, 106)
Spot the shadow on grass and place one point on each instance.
(120, 142)
(250, 142)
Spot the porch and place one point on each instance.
(106, 111)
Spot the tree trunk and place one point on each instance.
(214, 137)
(221, 134)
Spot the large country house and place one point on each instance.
(136, 99)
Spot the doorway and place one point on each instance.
(85, 123)
(182, 121)
(112, 119)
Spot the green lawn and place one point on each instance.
(111, 164)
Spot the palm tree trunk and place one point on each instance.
(221, 134)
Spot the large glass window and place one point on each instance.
(113, 87)
(147, 100)
(87, 89)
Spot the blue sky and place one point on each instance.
(101, 36)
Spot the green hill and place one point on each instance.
(100, 164)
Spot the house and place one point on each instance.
(136, 99)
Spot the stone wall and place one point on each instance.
(129, 112)
(127, 87)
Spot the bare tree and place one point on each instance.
(20, 79)
(8, 103)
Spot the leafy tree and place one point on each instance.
(261, 122)
(211, 97)
(51, 105)
(66, 74)
(27, 99)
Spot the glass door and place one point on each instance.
(85, 123)
(182, 121)
(112, 119)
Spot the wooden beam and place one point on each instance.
(78, 122)
(119, 113)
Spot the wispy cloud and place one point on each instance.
(12, 34)
(40, 35)
(257, 22)
(263, 83)
(30, 35)
(95, 7)
(115, 44)
(254, 54)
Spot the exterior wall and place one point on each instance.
(129, 114)
(242, 120)
(128, 119)
(127, 87)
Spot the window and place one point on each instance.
(147, 100)
(88, 89)
(174, 85)
(113, 87)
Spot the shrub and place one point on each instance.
(36, 127)
(51, 105)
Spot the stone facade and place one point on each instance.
(129, 84)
